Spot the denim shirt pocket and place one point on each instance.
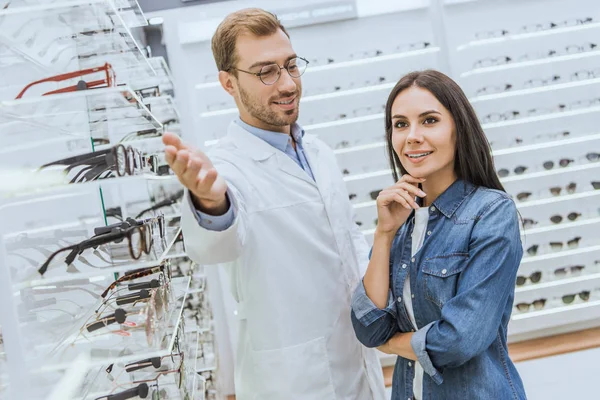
(441, 275)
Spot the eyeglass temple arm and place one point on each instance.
(164, 203)
(77, 87)
(129, 222)
(155, 362)
(118, 316)
(153, 284)
(78, 160)
(130, 275)
(70, 75)
(42, 270)
(141, 391)
(133, 297)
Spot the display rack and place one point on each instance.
(87, 201)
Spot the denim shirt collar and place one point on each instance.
(276, 139)
(449, 201)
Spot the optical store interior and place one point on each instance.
(98, 296)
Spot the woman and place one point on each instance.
(439, 287)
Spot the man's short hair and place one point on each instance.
(254, 21)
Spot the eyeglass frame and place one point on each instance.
(109, 81)
(285, 66)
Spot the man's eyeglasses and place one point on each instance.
(108, 81)
(269, 74)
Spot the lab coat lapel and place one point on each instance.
(289, 166)
(312, 155)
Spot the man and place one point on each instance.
(270, 203)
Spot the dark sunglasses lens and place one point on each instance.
(596, 185)
(561, 272)
(523, 196)
(374, 194)
(565, 162)
(593, 156)
(574, 242)
(523, 307)
(539, 304)
(503, 173)
(527, 223)
(573, 216)
(556, 245)
(577, 269)
(548, 165)
(568, 299)
(532, 251)
(536, 277)
(555, 191)
(571, 188)
(521, 280)
(556, 219)
(585, 296)
(520, 169)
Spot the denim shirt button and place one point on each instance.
(399, 299)
(432, 209)
(404, 266)
(429, 233)
(413, 259)
(444, 271)
(409, 364)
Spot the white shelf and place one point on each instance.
(541, 118)
(69, 49)
(509, 39)
(533, 63)
(349, 64)
(554, 317)
(542, 89)
(107, 113)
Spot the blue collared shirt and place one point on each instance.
(281, 142)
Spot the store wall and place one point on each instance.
(387, 24)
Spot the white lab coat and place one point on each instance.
(294, 256)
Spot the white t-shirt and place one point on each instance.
(418, 237)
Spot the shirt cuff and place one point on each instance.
(418, 343)
(365, 310)
(217, 223)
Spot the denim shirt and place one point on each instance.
(462, 282)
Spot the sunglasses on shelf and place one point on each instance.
(574, 270)
(537, 305)
(570, 298)
(534, 278)
(503, 173)
(108, 81)
(557, 219)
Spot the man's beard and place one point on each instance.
(265, 113)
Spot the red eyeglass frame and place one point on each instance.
(109, 81)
